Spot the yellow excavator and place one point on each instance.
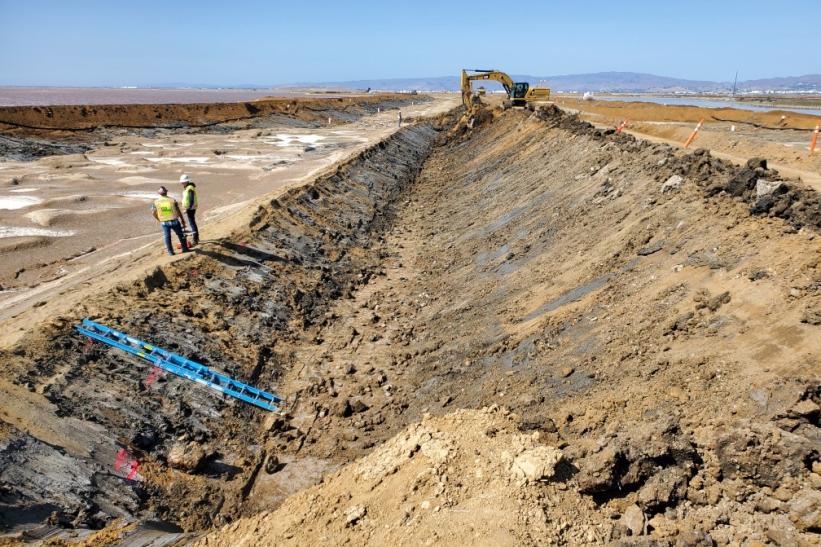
(518, 93)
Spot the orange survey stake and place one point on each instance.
(814, 140)
(693, 134)
(622, 125)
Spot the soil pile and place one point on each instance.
(469, 477)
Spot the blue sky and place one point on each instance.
(90, 43)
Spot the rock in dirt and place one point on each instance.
(761, 453)
(769, 187)
(654, 457)
(537, 463)
(633, 520)
(672, 184)
(651, 249)
(805, 510)
(354, 514)
(186, 457)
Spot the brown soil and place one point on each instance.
(665, 341)
(732, 134)
(645, 111)
(51, 120)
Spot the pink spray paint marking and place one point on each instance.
(152, 376)
(132, 473)
(123, 462)
(122, 455)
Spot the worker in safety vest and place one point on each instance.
(166, 210)
(189, 205)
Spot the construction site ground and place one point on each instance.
(513, 328)
(78, 218)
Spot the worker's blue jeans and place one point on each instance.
(192, 223)
(174, 225)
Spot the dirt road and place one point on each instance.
(69, 219)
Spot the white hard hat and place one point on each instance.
(185, 178)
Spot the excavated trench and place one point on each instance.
(531, 261)
(233, 305)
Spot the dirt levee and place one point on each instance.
(78, 118)
(646, 111)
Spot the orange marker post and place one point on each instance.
(814, 140)
(693, 134)
(622, 125)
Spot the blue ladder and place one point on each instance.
(179, 365)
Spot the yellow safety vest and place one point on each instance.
(189, 197)
(166, 208)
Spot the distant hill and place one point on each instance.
(625, 82)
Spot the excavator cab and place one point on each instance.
(518, 93)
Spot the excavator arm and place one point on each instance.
(476, 74)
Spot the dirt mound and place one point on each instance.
(766, 192)
(469, 477)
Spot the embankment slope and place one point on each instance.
(665, 338)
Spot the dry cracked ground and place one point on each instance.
(517, 330)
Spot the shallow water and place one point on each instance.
(191, 159)
(108, 161)
(18, 202)
(286, 139)
(13, 231)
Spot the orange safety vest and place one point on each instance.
(166, 208)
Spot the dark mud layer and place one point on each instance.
(26, 149)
